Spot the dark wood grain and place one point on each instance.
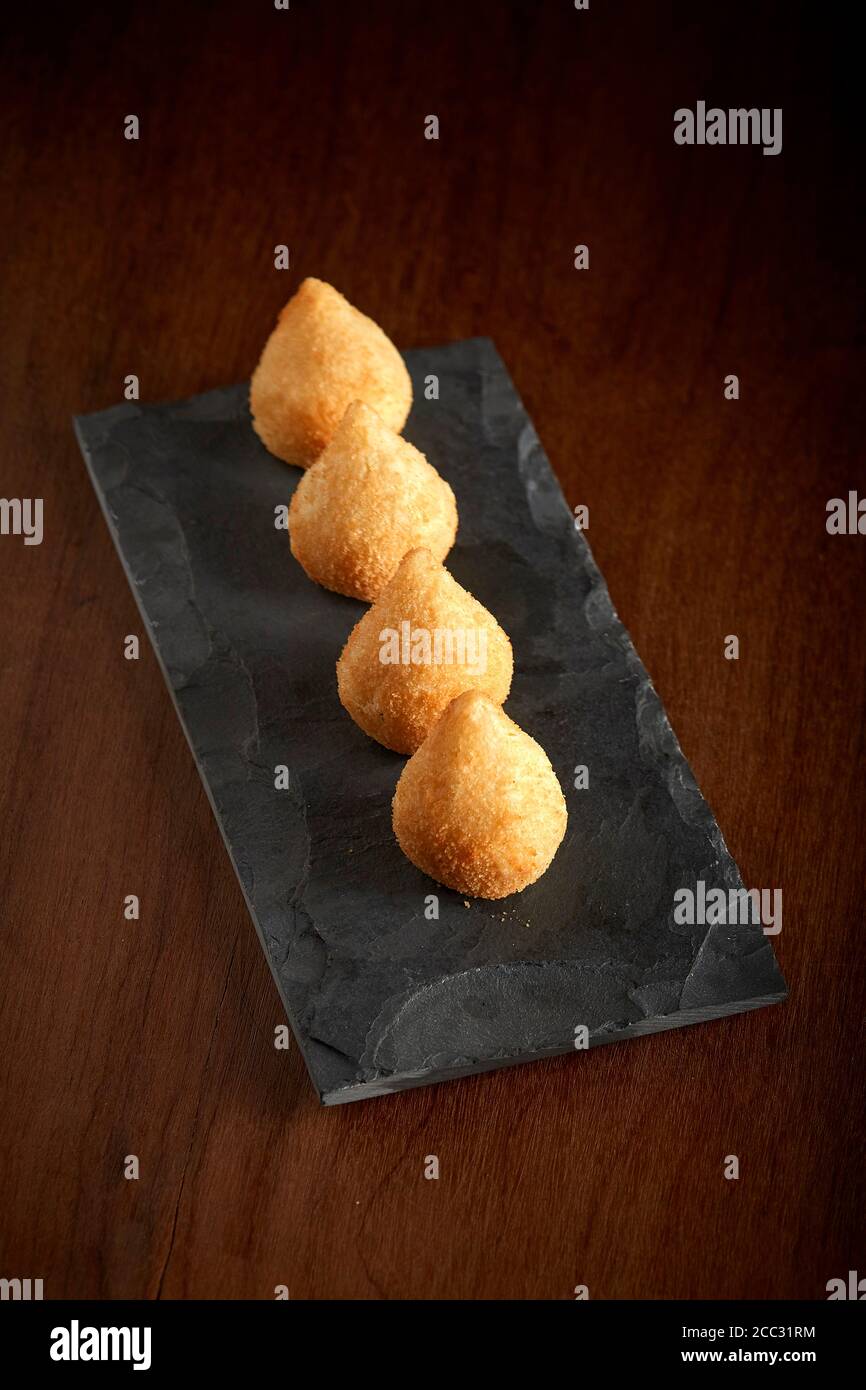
(707, 517)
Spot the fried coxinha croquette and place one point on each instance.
(424, 641)
(367, 500)
(479, 808)
(322, 355)
(425, 671)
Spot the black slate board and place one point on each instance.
(381, 998)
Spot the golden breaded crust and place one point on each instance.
(479, 807)
(366, 501)
(322, 355)
(397, 703)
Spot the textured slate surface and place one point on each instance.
(380, 997)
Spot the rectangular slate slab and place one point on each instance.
(379, 996)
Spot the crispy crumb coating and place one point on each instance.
(398, 703)
(479, 807)
(366, 501)
(322, 355)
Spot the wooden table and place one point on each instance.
(156, 258)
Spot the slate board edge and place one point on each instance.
(644, 1028)
(118, 412)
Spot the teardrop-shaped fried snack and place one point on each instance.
(479, 808)
(366, 501)
(322, 355)
(424, 641)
